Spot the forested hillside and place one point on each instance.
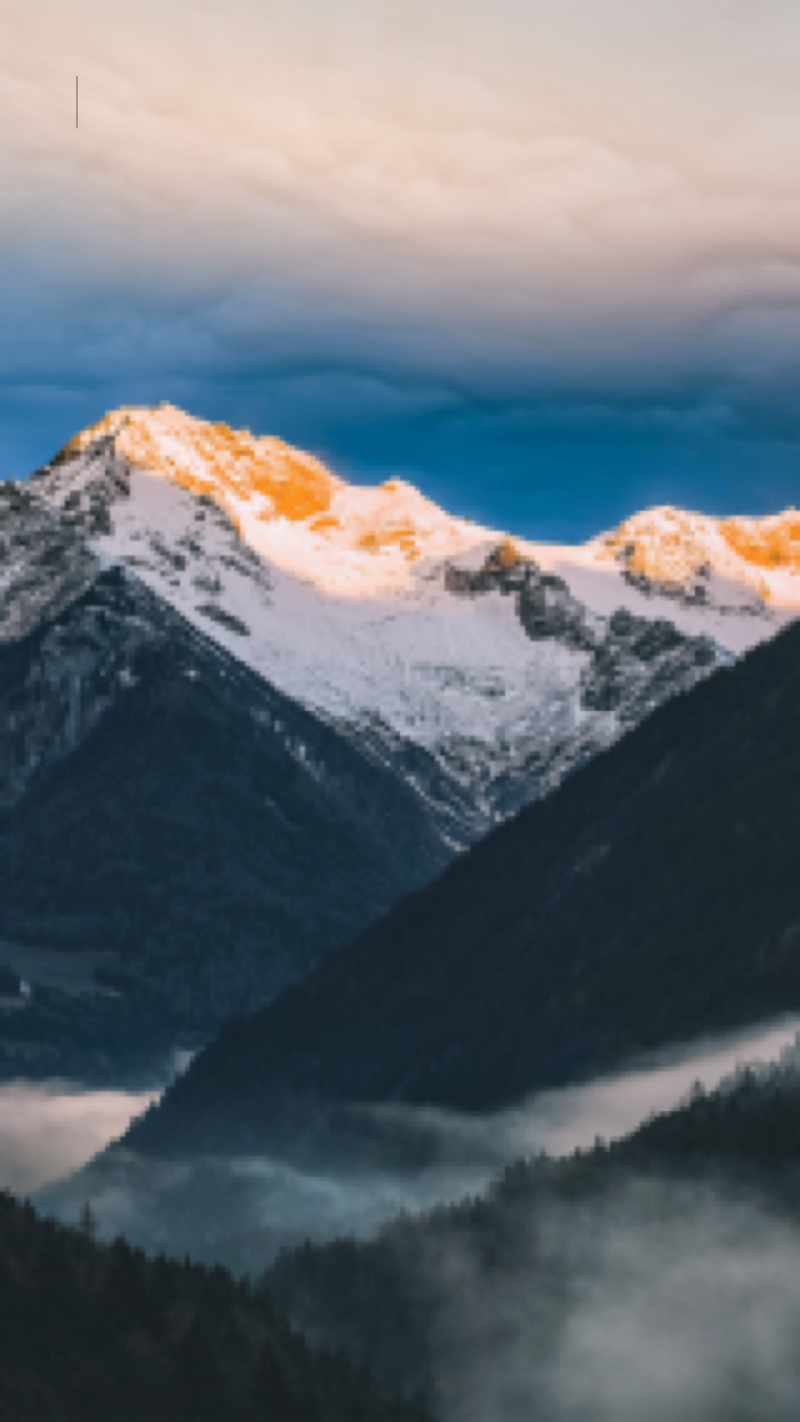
(737, 1148)
(652, 898)
(99, 1333)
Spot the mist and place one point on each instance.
(572, 1118)
(47, 1129)
(662, 1302)
(241, 1212)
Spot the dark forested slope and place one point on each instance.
(654, 896)
(737, 1148)
(168, 806)
(92, 1333)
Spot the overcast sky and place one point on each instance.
(539, 256)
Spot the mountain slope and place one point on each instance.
(653, 897)
(244, 707)
(371, 608)
(170, 808)
(387, 1298)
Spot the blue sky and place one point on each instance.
(540, 258)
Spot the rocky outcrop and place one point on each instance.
(86, 491)
(634, 663)
(44, 566)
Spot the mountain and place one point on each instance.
(246, 707)
(180, 813)
(484, 669)
(652, 898)
(177, 838)
(98, 1332)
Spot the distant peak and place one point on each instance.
(772, 542)
(352, 538)
(228, 465)
(283, 502)
(669, 545)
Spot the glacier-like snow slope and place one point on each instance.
(489, 669)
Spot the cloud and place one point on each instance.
(242, 1211)
(646, 1299)
(571, 1118)
(659, 1301)
(493, 206)
(47, 1130)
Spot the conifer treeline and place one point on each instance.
(99, 1333)
(382, 1299)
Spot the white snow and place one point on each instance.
(346, 609)
(390, 643)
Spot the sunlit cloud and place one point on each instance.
(507, 205)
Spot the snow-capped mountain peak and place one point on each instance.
(210, 459)
(284, 503)
(487, 666)
(351, 540)
(678, 552)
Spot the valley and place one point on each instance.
(399, 711)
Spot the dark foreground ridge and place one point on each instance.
(135, 825)
(91, 1333)
(653, 898)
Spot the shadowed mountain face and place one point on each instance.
(168, 808)
(189, 837)
(654, 897)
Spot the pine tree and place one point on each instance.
(88, 1222)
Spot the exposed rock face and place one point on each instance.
(43, 565)
(634, 663)
(639, 664)
(693, 592)
(85, 503)
(56, 686)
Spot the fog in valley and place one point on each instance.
(241, 1211)
(662, 1302)
(49, 1129)
(648, 1299)
(572, 1118)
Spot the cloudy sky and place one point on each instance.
(539, 256)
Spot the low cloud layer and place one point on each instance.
(48, 1130)
(662, 1302)
(652, 1300)
(242, 1211)
(572, 1118)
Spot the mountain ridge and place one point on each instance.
(347, 598)
(651, 898)
(459, 674)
